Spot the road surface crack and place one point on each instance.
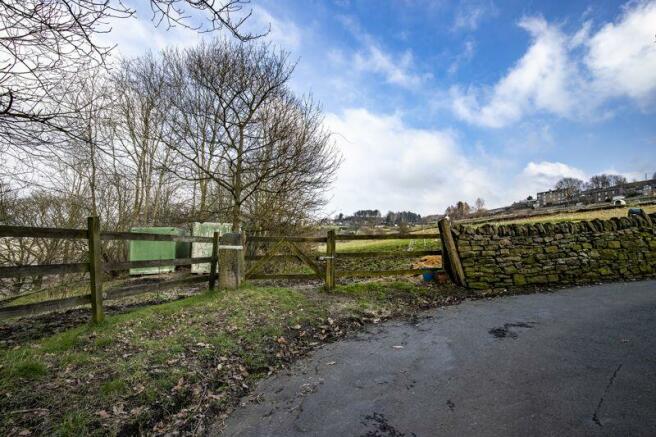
(595, 416)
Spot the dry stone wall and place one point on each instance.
(557, 253)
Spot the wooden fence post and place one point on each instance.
(95, 269)
(215, 260)
(330, 260)
(231, 261)
(450, 256)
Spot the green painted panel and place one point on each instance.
(151, 250)
(199, 250)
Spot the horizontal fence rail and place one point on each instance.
(134, 236)
(269, 239)
(40, 307)
(330, 271)
(388, 237)
(136, 289)
(118, 266)
(96, 267)
(26, 231)
(322, 256)
(43, 270)
(398, 272)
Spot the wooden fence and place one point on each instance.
(329, 272)
(96, 267)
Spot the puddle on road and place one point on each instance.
(507, 331)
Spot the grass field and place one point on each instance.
(602, 214)
(385, 245)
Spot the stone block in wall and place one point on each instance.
(519, 280)
(551, 249)
(537, 279)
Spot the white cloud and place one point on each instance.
(396, 71)
(133, 36)
(390, 165)
(541, 80)
(570, 76)
(284, 33)
(465, 55)
(622, 55)
(540, 176)
(470, 14)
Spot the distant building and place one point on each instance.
(598, 195)
(552, 197)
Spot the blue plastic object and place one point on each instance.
(428, 276)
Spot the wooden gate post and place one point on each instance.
(330, 260)
(450, 256)
(231, 261)
(95, 269)
(215, 260)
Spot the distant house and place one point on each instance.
(598, 195)
(552, 197)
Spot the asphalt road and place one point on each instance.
(580, 361)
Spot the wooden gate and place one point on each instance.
(295, 251)
(323, 265)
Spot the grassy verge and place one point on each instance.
(181, 365)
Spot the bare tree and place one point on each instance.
(240, 127)
(570, 187)
(617, 180)
(604, 181)
(598, 181)
(459, 210)
(46, 45)
(139, 154)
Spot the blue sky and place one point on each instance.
(432, 102)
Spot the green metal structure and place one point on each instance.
(155, 250)
(200, 250)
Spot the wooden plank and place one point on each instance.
(43, 269)
(27, 231)
(330, 278)
(292, 276)
(40, 307)
(153, 237)
(151, 287)
(305, 258)
(117, 266)
(256, 266)
(273, 239)
(280, 258)
(213, 261)
(399, 254)
(451, 260)
(371, 273)
(318, 256)
(388, 237)
(95, 269)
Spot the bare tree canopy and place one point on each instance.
(234, 123)
(570, 186)
(46, 45)
(605, 181)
